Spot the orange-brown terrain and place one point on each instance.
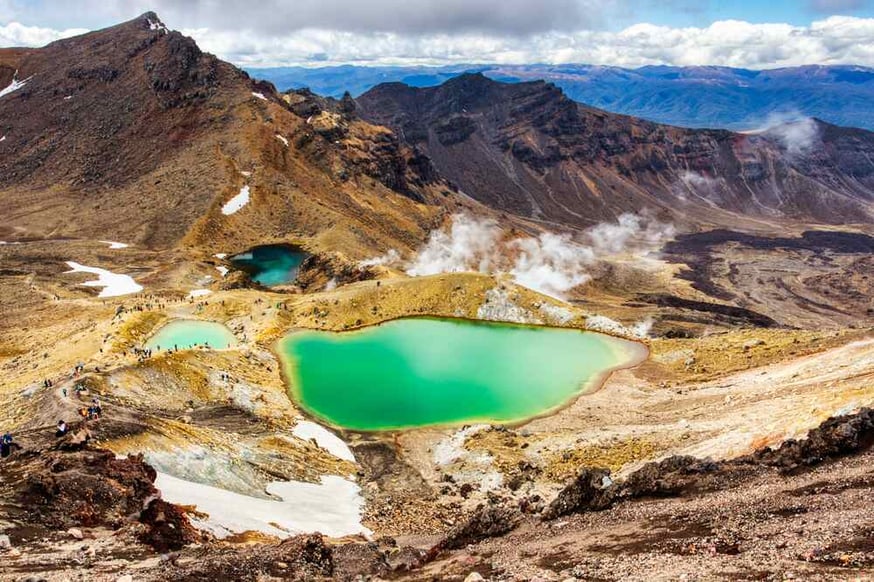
(739, 449)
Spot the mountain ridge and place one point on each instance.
(134, 132)
(697, 97)
(528, 148)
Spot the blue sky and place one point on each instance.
(682, 13)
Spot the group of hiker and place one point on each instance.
(142, 354)
(62, 429)
(93, 411)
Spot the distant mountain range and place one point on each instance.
(700, 97)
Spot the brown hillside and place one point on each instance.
(132, 133)
(529, 149)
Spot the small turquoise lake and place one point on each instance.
(270, 265)
(188, 333)
(424, 372)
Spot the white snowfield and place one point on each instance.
(199, 293)
(283, 139)
(259, 95)
(14, 85)
(113, 284)
(307, 430)
(115, 245)
(237, 202)
(332, 507)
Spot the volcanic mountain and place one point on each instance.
(528, 149)
(133, 133)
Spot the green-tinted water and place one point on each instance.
(187, 333)
(271, 264)
(419, 372)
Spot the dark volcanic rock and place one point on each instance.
(76, 486)
(168, 527)
(837, 436)
(591, 490)
(487, 522)
(88, 488)
(318, 270)
(677, 475)
(299, 558)
(670, 476)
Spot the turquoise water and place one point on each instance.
(188, 333)
(271, 264)
(421, 372)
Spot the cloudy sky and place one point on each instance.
(251, 33)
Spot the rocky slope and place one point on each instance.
(798, 508)
(134, 133)
(528, 149)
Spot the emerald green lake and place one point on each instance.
(421, 372)
(188, 333)
(270, 265)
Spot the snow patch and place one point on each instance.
(199, 293)
(332, 507)
(246, 174)
(115, 245)
(3, 138)
(237, 202)
(222, 270)
(113, 284)
(14, 85)
(259, 95)
(157, 25)
(282, 139)
(221, 255)
(307, 430)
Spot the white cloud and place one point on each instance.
(431, 32)
(835, 40)
(16, 34)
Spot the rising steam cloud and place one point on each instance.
(797, 134)
(550, 263)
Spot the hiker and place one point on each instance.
(6, 443)
(62, 429)
(64, 391)
(97, 408)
